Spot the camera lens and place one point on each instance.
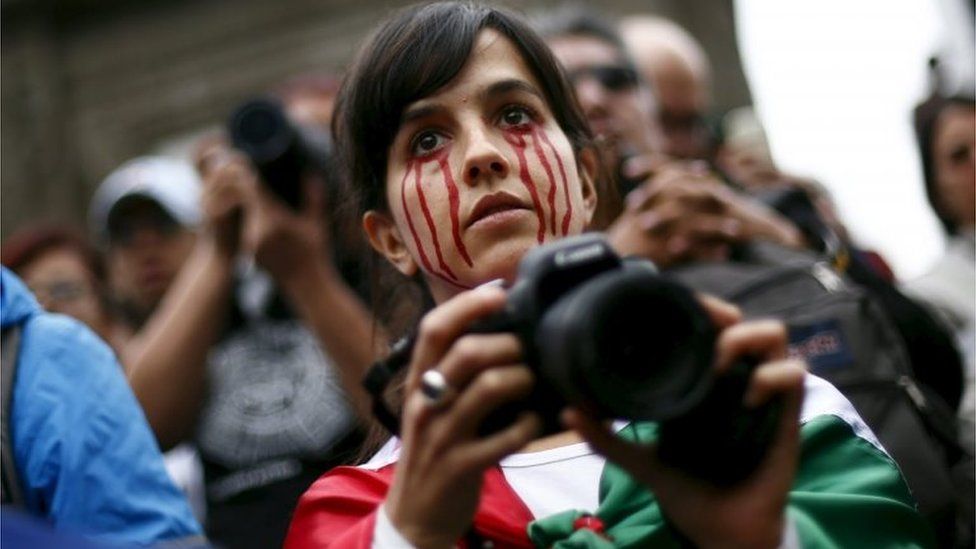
(629, 345)
(260, 129)
(258, 125)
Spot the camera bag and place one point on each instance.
(847, 339)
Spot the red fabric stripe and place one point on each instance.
(339, 510)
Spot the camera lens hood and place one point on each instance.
(261, 129)
(628, 344)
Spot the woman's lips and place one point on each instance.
(501, 218)
(499, 207)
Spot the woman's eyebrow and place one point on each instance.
(500, 87)
(509, 85)
(424, 111)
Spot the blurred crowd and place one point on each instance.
(230, 315)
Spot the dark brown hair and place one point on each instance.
(29, 243)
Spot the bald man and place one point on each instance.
(678, 69)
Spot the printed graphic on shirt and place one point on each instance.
(273, 394)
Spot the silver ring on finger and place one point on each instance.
(437, 392)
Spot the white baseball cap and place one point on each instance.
(171, 183)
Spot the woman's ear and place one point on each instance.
(385, 238)
(589, 169)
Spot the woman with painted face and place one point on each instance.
(468, 149)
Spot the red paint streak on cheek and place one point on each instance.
(562, 172)
(518, 145)
(413, 230)
(552, 179)
(430, 224)
(455, 202)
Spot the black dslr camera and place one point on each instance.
(282, 152)
(611, 336)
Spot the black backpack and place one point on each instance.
(848, 339)
(10, 490)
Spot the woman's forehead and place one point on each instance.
(493, 58)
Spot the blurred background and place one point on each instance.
(87, 84)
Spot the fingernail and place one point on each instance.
(648, 221)
(677, 245)
(699, 167)
(632, 168)
(496, 283)
(732, 227)
(635, 198)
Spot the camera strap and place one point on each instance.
(379, 377)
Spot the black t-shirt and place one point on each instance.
(274, 420)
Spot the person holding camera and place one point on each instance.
(670, 210)
(488, 158)
(249, 351)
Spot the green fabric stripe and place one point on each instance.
(631, 514)
(848, 485)
(847, 493)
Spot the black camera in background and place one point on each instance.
(282, 153)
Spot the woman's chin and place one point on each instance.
(499, 260)
(502, 259)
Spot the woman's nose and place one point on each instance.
(484, 158)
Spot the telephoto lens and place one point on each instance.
(278, 150)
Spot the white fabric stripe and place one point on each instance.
(791, 536)
(387, 454)
(821, 399)
(385, 535)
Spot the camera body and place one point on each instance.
(605, 334)
(614, 338)
(281, 152)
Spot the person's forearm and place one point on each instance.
(342, 324)
(167, 359)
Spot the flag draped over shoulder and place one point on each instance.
(847, 493)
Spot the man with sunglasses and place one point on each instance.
(617, 103)
(144, 214)
(670, 211)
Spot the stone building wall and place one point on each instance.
(87, 84)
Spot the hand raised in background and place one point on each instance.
(682, 213)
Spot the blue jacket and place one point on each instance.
(85, 455)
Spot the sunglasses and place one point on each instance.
(611, 77)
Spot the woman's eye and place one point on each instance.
(959, 154)
(515, 117)
(427, 143)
